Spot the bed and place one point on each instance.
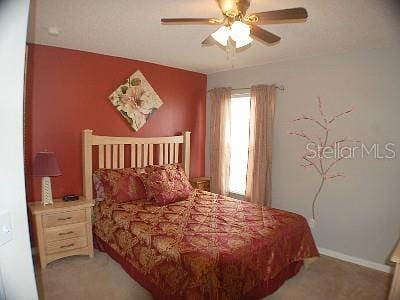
(205, 247)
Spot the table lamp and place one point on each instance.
(45, 165)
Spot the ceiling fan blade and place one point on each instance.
(210, 21)
(264, 35)
(208, 41)
(290, 15)
(242, 6)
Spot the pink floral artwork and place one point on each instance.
(136, 100)
(319, 163)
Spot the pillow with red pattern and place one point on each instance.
(166, 184)
(121, 185)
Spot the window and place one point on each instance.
(240, 126)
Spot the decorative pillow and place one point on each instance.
(166, 184)
(121, 185)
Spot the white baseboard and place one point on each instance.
(356, 260)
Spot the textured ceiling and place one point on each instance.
(132, 29)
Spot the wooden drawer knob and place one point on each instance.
(64, 219)
(67, 246)
(65, 233)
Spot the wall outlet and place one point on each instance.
(5, 227)
(311, 223)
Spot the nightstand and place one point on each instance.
(62, 229)
(201, 183)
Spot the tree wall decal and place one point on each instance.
(318, 161)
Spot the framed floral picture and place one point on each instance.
(136, 100)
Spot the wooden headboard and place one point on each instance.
(142, 152)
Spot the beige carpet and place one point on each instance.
(102, 278)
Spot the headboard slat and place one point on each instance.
(166, 161)
(115, 156)
(176, 155)
(151, 160)
(171, 153)
(133, 156)
(108, 156)
(161, 155)
(101, 156)
(139, 156)
(121, 149)
(145, 155)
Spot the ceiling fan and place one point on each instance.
(239, 28)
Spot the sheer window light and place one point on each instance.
(240, 123)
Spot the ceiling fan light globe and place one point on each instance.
(240, 33)
(239, 30)
(243, 42)
(222, 35)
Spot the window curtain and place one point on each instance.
(262, 108)
(220, 139)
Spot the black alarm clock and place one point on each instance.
(70, 197)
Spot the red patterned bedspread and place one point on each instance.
(207, 247)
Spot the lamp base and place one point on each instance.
(47, 196)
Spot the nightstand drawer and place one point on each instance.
(64, 218)
(65, 245)
(65, 232)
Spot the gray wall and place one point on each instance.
(15, 256)
(358, 215)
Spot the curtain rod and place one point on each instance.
(278, 87)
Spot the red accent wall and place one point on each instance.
(67, 91)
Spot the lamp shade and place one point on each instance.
(45, 164)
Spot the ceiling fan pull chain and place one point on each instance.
(231, 51)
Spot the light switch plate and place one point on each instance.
(5, 227)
